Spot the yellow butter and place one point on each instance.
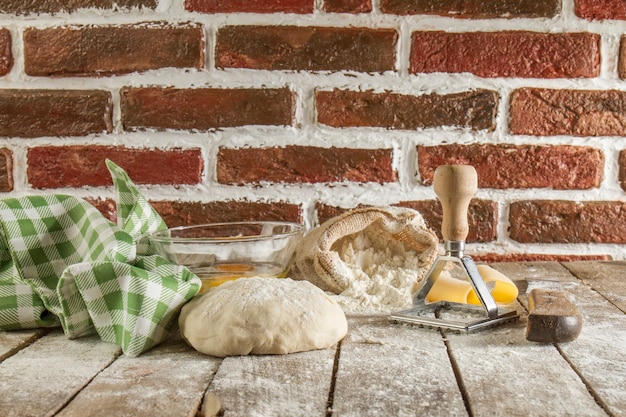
(448, 288)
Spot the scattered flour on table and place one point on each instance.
(385, 274)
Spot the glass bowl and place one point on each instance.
(220, 252)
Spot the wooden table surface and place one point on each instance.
(379, 369)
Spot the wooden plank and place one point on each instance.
(275, 385)
(608, 278)
(506, 375)
(169, 380)
(530, 272)
(383, 368)
(596, 354)
(599, 350)
(394, 370)
(12, 341)
(42, 378)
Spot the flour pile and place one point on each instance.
(384, 274)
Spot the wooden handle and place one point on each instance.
(455, 185)
(552, 317)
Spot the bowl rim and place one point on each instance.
(159, 235)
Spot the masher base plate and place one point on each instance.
(460, 318)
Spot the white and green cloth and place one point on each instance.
(63, 263)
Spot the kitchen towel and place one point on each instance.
(63, 263)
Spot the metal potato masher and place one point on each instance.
(455, 185)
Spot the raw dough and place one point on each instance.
(262, 316)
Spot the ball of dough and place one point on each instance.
(262, 316)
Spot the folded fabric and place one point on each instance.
(448, 288)
(63, 263)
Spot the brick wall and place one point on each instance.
(228, 110)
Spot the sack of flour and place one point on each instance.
(372, 257)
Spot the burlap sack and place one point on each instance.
(318, 261)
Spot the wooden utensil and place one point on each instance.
(553, 317)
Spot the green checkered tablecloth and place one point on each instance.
(63, 263)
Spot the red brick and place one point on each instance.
(475, 110)
(482, 218)
(600, 9)
(306, 48)
(182, 213)
(477, 9)
(507, 54)
(78, 166)
(6, 170)
(621, 59)
(348, 6)
(250, 6)
(33, 113)
(546, 112)
(326, 212)
(105, 206)
(548, 221)
(304, 164)
(562, 167)
(6, 56)
(110, 50)
(622, 169)
(57, 6)
(205, 108)
(535, 257)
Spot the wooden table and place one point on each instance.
(379, 369)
